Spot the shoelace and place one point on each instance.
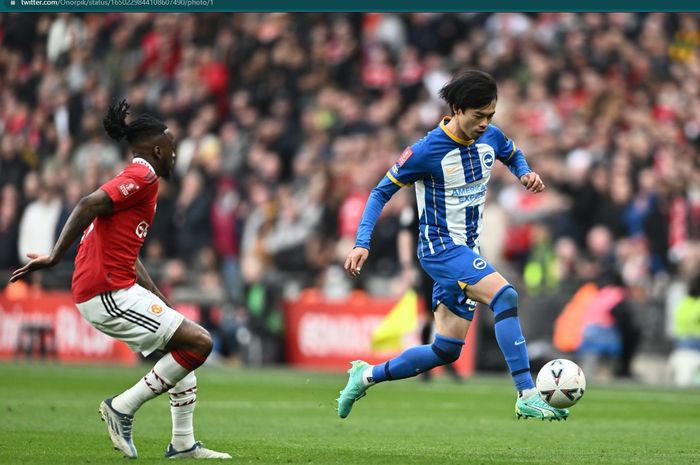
(127, 424)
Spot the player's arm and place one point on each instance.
(88, 208)
(408, 168)
(144, 280)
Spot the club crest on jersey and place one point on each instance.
(488, 159)
(156, 309)
(128, 188)
(479, 263)
(488, 156)
(141, 229)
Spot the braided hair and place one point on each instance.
(142, 128)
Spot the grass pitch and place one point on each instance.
(49, 416)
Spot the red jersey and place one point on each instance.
(110, 245)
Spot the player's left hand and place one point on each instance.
(532, 182)
(37, 262)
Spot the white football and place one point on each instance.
(561, 383)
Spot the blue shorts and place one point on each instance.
(452, 270)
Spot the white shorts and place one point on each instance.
(135, 316)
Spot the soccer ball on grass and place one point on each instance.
(561, 383)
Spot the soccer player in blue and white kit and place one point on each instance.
(450, 168)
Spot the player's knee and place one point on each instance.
(447, 348)
(202, 342)
(505, 303)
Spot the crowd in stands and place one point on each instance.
(286, 121)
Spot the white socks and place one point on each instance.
(164, 375)
(367, 377)
(183, 398)
(527, 393)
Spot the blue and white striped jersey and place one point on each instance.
(450, 176)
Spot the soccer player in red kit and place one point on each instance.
(115, 294)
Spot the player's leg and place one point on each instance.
(453, 317)
(450, 331)
(502, 298)
(446, 347)
(185, 345)
(140, 319)
(145, 323)
(168, 372)
(187, 349)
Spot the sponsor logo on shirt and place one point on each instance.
(156, 309)
(128, 188)
(141, 229)
(469, 194)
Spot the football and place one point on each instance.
(561, 383)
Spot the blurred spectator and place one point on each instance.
(37, 227)
(65, 35)
(286, 121)
(192, 225)
(96, 153)
(9, 227)
(685, 359)
(602, 326)
(13, 168)
(225, 235)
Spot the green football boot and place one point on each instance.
(354, 390)
(535, 407)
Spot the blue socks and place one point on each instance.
(419, 359)
(446, 350)
(510, 336)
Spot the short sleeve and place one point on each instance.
(125, 190)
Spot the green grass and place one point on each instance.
(49, 416)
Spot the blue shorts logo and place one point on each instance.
(479, 263)
(488, 160)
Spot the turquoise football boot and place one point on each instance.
(354, 390)
(535, 407)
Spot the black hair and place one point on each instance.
(471, 89)
(142, 128)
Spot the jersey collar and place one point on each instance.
(459, 140)
(143, 162)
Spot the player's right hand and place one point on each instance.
(356, 258)
(37, 262)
